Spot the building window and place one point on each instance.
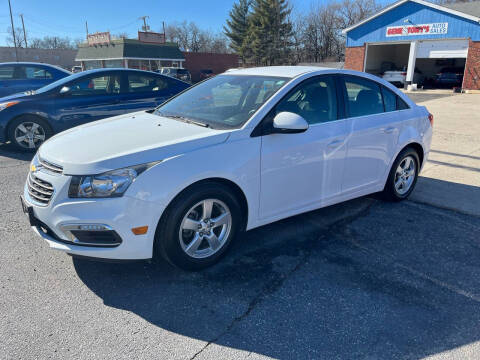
(133, 64)
(113, 63)
(93, 64)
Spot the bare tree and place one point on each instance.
(318, 34)
(52, 42)
(190, 37)
(20, 39)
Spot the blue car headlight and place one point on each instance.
(109, 184)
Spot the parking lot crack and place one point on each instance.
(280, 279)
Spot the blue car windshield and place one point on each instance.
(223, 102)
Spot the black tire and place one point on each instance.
(43, 130)
(167, 236)
(390, 192)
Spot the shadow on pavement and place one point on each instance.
(364, 279)
(7, 150)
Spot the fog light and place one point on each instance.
(141, 230)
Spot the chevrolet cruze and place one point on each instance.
(240, 150)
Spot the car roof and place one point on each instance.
(34, 64)
(282, 71)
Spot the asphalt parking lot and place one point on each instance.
(360, 280)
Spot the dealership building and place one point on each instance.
(418, 36)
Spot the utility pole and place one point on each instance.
(24, 33)
(13, 32)
(145, 26)
(86, 28)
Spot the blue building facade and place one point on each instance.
(426, 30)
(412, 13)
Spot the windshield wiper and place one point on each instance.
(184, 119)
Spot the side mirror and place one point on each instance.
(289, 123)
(64, 90)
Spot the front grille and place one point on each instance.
(40, 190)
(56, 169)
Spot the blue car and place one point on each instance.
(29, 118)
(22, 76)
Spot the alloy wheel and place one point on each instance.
(29, 135)
(405, 175)
(205, 228)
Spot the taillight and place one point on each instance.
(404, 74)
(430, 118)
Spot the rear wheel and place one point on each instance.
(403, 176)
(27, 133)
(198, 227)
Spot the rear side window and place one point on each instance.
(401, 105)
(143, 83)
(6, 72)
(32, 72)
(389, 100)
(392, 101)
(363, 96)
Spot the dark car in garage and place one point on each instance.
(449, 77)
(22, 76)
(28, 119)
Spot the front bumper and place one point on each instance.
(118, 214)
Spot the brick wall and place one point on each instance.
(354, 58)
(471, 79)
(60, 57)
(218, 63)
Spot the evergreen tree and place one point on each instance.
(270, 32)
(237, 26)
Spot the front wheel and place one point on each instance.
(403, 176)
(27, 133)
(198, 227)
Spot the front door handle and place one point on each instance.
(335, 143)
(389, 130)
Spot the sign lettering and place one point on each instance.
(412, 30)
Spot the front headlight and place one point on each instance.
(110, 184)
(5, 105)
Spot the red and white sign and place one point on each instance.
(413, 30)
(98, 38)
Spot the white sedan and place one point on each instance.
(240, 150)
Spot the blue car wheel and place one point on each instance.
(27, 133)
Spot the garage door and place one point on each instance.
(442, 49)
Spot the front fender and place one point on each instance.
(237, 161)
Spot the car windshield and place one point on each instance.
(223, 102)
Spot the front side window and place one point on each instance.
(96, 85)
(363, 96)
(315, 100)
(142, 83)
(225, 101)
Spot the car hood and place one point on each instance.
(18, 96)
(125, 140)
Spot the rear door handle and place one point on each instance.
(389, 130)
(335, 143)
